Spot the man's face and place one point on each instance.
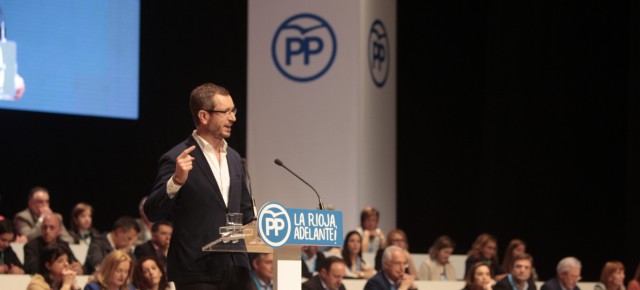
(125, 239)
(395, 267)
(569, 279)
(162, 236)
(521, 270)
(50, 228)
(39, 202)
(333, 279)
(219, 124)
(264, 267)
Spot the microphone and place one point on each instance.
(279, 163)
(253, 200)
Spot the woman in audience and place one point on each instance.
(57, 274)
(149, 274)
(372, 236)
(612, 277)
(479, 277)
(437, 267)
(484, 249)
(81, 224)
(114, 273)
(634, 284)
(397, 237)
(352, 255)
(515, 247)
(9, 262)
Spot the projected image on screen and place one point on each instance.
(72, 57)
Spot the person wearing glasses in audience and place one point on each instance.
(397, 237)
(568, 275)
(198, 182)
(393, 275)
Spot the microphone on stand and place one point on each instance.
(253, 200)
(279, 163)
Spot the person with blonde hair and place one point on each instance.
(485, 249)
(373, 237)
(437, 267)
(114, 273)
(611, 277)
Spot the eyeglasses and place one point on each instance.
(399, 264)
(228, 112)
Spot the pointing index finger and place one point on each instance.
(187, 151)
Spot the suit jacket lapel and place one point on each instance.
(204, 168)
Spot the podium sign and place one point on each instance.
(280, 226)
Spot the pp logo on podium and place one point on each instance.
(274, 224)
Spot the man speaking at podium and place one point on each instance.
(198, 182)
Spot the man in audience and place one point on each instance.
(332, 271)
(262, 271)
(51, 227)
(568, 275)
(311, 260)
(393, 274)
(122, 237)
(520, 275)
(27, 222)
(158, 246)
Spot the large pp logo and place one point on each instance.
(378, 53)
(274, 224)
(304, 47)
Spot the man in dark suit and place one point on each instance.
(198, 182)
(51, 228)
(393, 274)
(568, 271)
(122, 236)
(311, 260)
(520, 276)
(159, 243)
(332, 271)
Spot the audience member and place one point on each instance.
(392, 276)
(114, 273)
(634, 283)
(352, 255)
(51, 228)
(57, 273)
(311, 260)
(567, 275)
(437, 266)
(122, 236)
(372, 236)
(149, 274)
(332, 271)
(479, 277)
(262, 271)
(27, 222)
(612, 277)
(9, 262)
(515, 247)
(484, 249)
(158, 246)
(81, 226)
(397, 237)
(145, 224)
(520, 276)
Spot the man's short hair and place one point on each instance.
(329, 261)
(156, 226)
(386, 256)
(35, 189)
(567, 264)
(126, 223)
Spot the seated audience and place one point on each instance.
(520, 276)
(311, 260)
(56, 270)
(634, 283)
(397, 237)
(262, 271)
(158, 246)
(81, 226)
(114, 273)
(9, 261)
(611, 277)
(515, 247)
(149, 274)
(122, 237)
(437, 266)
(485, 249)
(352, 255)
(393, 275)
(51, 228)
(372, 236)
(27, 222)
(332, 271)
(567, 275)
(479, 277)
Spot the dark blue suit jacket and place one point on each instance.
(197, 212)
(554, 284)
(378, 282)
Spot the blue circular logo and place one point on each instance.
(378, 53)
(274, 224)
(304, 47)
